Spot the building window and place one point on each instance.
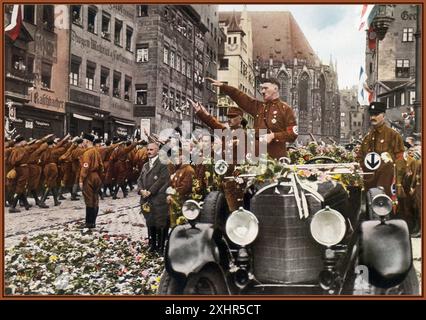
(235, 40)
(141, 94)
(90, 75)
(142, 51)
(127, 88)
(18, 63)
(48, 17)
(76, 15)
(342, 124)
(189, 71)
(116, 85)
(402, 69)
(183, 66)
(342, 114)
(172, 59)
(106, 22)
(224, 64)
(407, 35)
(402, 98)
(75, 71)
(129, 36)
(166, 55)
(412, 97)
(30, 64)
(178, 59)
(91, 20)
(29, 13)
(117, 32)
(104, 80)
(46, 75)
(189, 32)
(142, 11)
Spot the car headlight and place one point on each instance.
(242, 227)
(328, 227)
(381, 204)
(191, 209)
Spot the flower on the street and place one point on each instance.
(73, 263)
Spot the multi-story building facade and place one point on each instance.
(212, 47)
(236, 65)
(170, 44)
(391, 62)
(351, 116)
(37, 72)
(101, 76)
(108, 68)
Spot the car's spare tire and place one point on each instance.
(215, 210)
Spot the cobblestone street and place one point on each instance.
(119, 216)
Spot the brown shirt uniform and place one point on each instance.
(90, 171)
(274, 116)
(380, 140)
(181, 181)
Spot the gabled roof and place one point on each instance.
(276, 34)
(234, 25)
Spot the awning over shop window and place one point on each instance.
(79, 116)
(125, 123)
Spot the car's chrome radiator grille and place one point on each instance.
(284, 250)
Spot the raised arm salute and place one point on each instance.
(272, 114)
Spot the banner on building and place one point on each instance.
(145, 127)
(14, 28)
(365, 94)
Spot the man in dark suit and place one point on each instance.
(152, 184)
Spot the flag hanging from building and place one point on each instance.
(365, 12)
(368, 13)
(365, 94)
(14, 28)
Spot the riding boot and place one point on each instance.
(74, 193)
(60, 196)
(124, 189)
(116, 188)
(101, 195)
(95, 211)
(23, 197)
(153, 240)
(34, 194)
(90, 220)
(45, 194)
(131, 186)
(104, 194)
(13, 204)
(55, 196)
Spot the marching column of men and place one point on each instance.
(48, 166)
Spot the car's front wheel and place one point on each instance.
(209, 281)
(170, 285)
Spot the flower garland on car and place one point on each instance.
(267, 170)
(78, 263)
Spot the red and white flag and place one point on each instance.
(365, 12)
(14, 28)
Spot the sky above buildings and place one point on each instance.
(332, 31)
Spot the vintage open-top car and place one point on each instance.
(293, 236)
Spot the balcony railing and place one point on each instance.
(22, 75)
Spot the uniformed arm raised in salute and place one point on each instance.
(272, 114)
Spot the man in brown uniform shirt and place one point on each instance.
(381, 139)
(234, 193)
(89, 180)
(273, 114)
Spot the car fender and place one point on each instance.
(386, 251)
(189, 248)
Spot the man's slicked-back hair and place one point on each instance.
(271, 80)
